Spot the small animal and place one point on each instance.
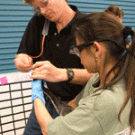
(61, 106)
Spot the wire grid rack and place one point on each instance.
(15, 107)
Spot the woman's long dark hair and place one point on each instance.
(101, 25)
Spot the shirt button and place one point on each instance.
(55, 34)
(57, 45)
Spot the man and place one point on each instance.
(52, 66)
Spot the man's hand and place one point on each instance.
(23, 62)
(48, 72)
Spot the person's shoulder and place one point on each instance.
(37, 20)
(78, 12)
(104, 102)
(37, 16)
(113, 96)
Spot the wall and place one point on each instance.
(14, 16)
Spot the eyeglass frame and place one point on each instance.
(80, 47)
(44, 4)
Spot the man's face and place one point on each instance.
(51, 9)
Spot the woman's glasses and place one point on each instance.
(77, 49)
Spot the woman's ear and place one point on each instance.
(97, 48)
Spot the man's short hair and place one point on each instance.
(30, 1)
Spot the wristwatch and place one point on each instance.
(70, 74)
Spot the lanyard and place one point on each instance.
(44, 33)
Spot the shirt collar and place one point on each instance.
(96, 81)
(77, 14)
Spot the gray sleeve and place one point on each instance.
(95, 115)
(81, 121)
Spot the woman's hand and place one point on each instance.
(37, 91)
(47, 71)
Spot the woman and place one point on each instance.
(115, 10)
(118, 12)
(106, 105)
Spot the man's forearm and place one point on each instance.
(47, 71)
(81, 76)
